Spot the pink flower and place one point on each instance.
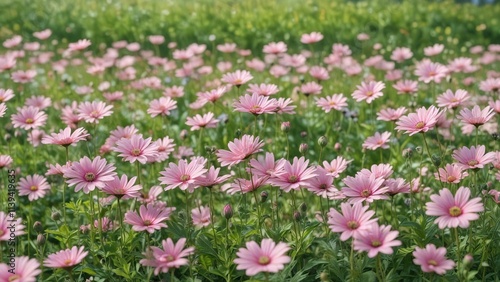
(390, 114)
(13, 41)
(156, 39)
(227, 47)
(239, 150)
(34, 186)
(6, 95)
(244, 185)
(473, 158)
(263, 89)
(454, 211)
(406, 86)
(162, 106)
(66, 258)
(462, 65)
(313, 37)
(79, 45)
(25, 270)
(396, 186)
(265, 166)
(184, 175)
(211, 178)
(23, 76)
(319, 73)
(334, 102)
(201, 216)
(451, 173)
(362, 188)
(452, 100)
(6, 221)
(322, 184)
(431, 259)
(5, 161)
(401, 54)
(275, 48)
(421, 121)
(311, 88)
(3, 108)
(42, 35)
(88, 175)
(237, 78)
(255, 104)
(65, 137)
(377, 141)
(351, 221)
(206, 121)
(171, 256)
(269, 257)
(136, 149)
(150, 218)
(165, 147)
(93, 112)
(368, 91)
(428, 71)
(434, 50)
(213, 95)
(122, 188)
(476, 116)
(283, 106)
(28, 118)
(376, 239)
(293, 175)
(336, 166)
(490, 85)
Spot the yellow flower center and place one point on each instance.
(147, 222)
(365, 193)
(420, 125)
(352, 224)
(14, 277)
(264, 260)
(185, 178)
(451, 178)
(89, 176)
(33, 188)
(369, 93)
(376, 243)
(67, 262)
(432, 262)
(29, 121)
(293, 179)
(472, 162)
(136, 152)
(455, 211)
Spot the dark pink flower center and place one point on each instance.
(451, 178)
(369, 93)
(136, 152)
(264, 260)
(365, 193)
(455, 211)
(33, 188)
(167, 258)
(293, 179)
(420, 125)
(352, 224)
(185, 177)
(147, 222)
(29, 121)
(376, 243)
(323, 186)
(94, 114)
(89, 176)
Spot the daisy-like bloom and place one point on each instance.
(34, 186)
(237, 78)
(28, 117)
(451, 173)
(65, 137)
(312, 37)
(319, 73)
(476, 116)
(473, 158)
(322, 184)
(433, 50)
(165, 147)
(6, 95)
(150, 197)
(174, 91)
(184, 175)
(421, 121)
(490, 85)
(150, 218)
(462, 64)
(454, 211)
(336, 166)
(211, 178)
(198, 122)
(88, 174)
(406, 86)
(376, 239)
(239, 150)
(275, 48)
(283, 106)
(227, 47)
(69, 115)
(156, 39)
(122, 188)
(13, 41)
(201, 216)
(79, 45)
(396, 186)
(263, 89)
(377, 141)
(3, 108)
(121, 132)
(171, 256)
(243, 186)
(432, 259)
(57, 169)
(428, 71)
(378, 170)
(311, 88)
(401, 54)
(213, 95)
(136, 148)
(5, 161)
(23, 76)
(368, 91)
(293, 175)
(351, 221)
(255, 104)
(362, 188)
(162, 106)
(268, 257)
(265, 166)
(452, 100)
(92, 112)
(40, 102)
(42, 35)
(335, 102)
(391, 114)
(6, 220)
(26, 270)
(66, 259)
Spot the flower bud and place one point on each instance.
(324, 276)
(303, 134)
(303, 207)
(297, 216)
(303, 148)
(183, 134)
(227, 212)
(337, 146)
(419, 149)
(323, 141)
(436, 159)
(263, 196)
(37, 226)
(468, 260)
(40, 239)
(285, 126)
(55, 215)
(408, 153)
(238, 133)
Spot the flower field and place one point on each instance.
(306, 141)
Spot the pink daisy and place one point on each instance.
(490, 85)
(42, 35)
(40, 102)
(92, 112)
(335, 102)
(227, 47)
(206, 121)
(396, 186)
(211, 178)
(433, 50)
(184, 175)
(239, 150)
(428, 71)
(351, 221)
(6, 95)
(476, 116)
(336, 166)
(269, 257)
(6, 220)
(265, 166)
(312, 37)
(255, 104)
(150, 218)
(201, 216)
(311, 88)
(5, 161)
(293, 175)
(406, 86)
(451, 173)
(243, 186)
(421, 121)
(376, 239)
(432, 259)
(263, 89)
(65, 137)
(473, 158)
(3, 108)
(165, 147)
(122, 188)
(283, 106)
(136, 149)
(28, 117)
(156, 39)
(275, 48)
(377, 141)
(454, 211)
(237, 78)
(322, 184)
(13, 41)
(88, 174)
(368, 91)
(319, 73)
(66, 258)
(79, 45)
(391, 114)
(452, 100)
(171, 256)
(401, 54)
(361, 188)
(34, 186)
(162, 106)
(26, 270)
(23, 76)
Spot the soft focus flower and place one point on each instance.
(201, 216)
(184, 175)
(88, 174)
(428, 71)
(92, 112)
(66, 258)
(162, 106)
(275, 48)
(476, 116)
(452, 100)
(377, 141)
(239, 150)
(454, 211)
(432, 259)
(293, 175)
(28, 117)
(421, 121)
(310, 38)
(263, 89)
(269, 257)
(368, 91)
(34, 186)
(311, 88)
(401, 54)
(79, 45)
(65, 137)
(25, 270)
(237, 78)
(255, 104)
(334, 102)
(406, 86)
(122, 188)
(351, 221)
(6, 220)
(433, 50)
(376, 239)
(206, 121)
(171, 256)
(150, 218)
(391, 114)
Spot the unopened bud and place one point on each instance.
(418, 149)
(436, 160)
(407, 153)
(303, 148)
(297, 216)
(237, 133)
(303, 207)
(285, 126)
(37, 226)
(323, 141)
(55, 215)
(227, 212)
(183, 134)
(40, 239)
(337, 146)
(84, 229)
(324, 277)
(468, 260)
(263, 196)
(303, 134)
